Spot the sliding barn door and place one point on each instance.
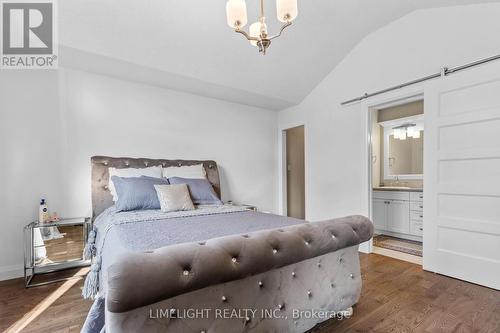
(462, 175)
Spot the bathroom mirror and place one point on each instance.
(403, 148)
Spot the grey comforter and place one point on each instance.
(117, 234)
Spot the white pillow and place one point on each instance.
(131, 172)
(186, 171)
(174, 197)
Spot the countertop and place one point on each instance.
(399, 189)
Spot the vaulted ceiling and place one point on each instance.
(186, 44)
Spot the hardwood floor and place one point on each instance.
(397, 297)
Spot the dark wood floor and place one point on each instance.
(397, 297)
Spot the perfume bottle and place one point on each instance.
(43, 212)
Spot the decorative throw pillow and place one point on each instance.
(186, 171)
(131, 172)
(201, 191)
(137, 193)
(174, 197)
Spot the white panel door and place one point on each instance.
(462, 176)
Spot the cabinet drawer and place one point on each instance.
(416, 206)
(388, 195)
(416, 215)
(417, 196)
(416, 228)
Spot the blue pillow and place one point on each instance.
(137, 193)
(201, 191)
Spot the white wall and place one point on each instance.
(30, 156)
(52, 122)
(416, 45)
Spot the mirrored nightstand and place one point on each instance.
(54, 246)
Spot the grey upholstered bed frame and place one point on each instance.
(101, 196)
(310, 266)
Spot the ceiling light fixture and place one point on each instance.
(236, 11)
(406, 131)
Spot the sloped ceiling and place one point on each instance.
(186, 44)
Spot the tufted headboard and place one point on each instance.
(101, 196)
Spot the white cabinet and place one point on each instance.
(380, 214)
(398, 216)
(398, 212)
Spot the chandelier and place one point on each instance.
(236, 11)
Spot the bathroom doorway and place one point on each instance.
(295, 172)
(396, 173)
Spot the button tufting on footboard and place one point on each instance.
(271, 261)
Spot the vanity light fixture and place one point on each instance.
(406, 131)
(236, 11)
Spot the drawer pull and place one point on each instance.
(421, 216)
(421, 206)
(421, 229)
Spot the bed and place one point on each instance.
(217, 268)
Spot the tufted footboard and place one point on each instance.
(311, 266)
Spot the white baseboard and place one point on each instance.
(11, 272)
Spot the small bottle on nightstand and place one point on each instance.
(43, 212)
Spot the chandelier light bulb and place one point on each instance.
(255, 29)
(236, 11)
(287, 10)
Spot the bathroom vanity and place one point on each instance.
(399, 212)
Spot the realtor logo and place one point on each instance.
(28, 35)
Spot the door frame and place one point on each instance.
(389, 99)
(282, 167)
